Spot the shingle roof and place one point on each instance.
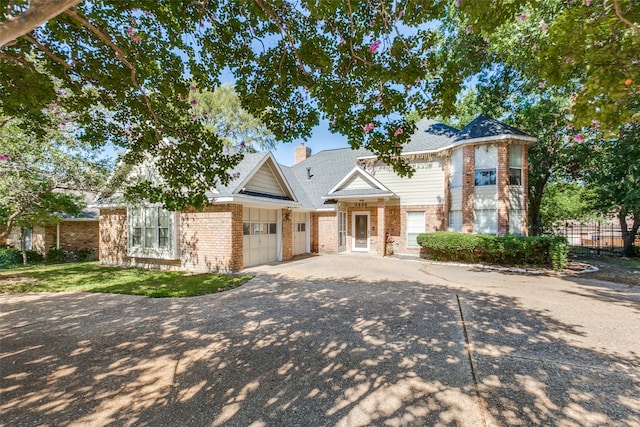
(484, 126)
(430, 136)
(326, 168)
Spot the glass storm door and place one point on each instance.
(361, 232)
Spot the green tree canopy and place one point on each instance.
(42, 177)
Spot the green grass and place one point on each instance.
(92, 277)
(615, 269)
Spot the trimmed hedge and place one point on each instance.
(501, 250)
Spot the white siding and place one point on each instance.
(356, 183)
(456, 199)
(425, 187)
(265, 181)
(455, 168)
(516, 197)
(485, 197)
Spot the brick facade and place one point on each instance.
(209, 240)
(468, 182)
(525, 186)
(502, 182)
(327, 232)
(287, 234)
(78, 234)
(434, 220)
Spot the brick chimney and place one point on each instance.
(302, 153)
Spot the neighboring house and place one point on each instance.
(472, 180)
(71, 234)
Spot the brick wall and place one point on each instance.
(327, 226)
(112, 245)
(502, 181)
(434, 220)
(78, 235)
(287, 234)
(211, 239)
(468, 181)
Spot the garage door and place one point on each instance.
(260, 236)
(299, 233)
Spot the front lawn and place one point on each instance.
(92, 277)
(615, 269)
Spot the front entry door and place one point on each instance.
(360, 231)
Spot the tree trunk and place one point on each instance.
(629, 234)
(39, 12)
(23, 244)
(536, 192)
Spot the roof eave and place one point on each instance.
(528, 139)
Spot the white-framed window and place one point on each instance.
(485, 221)
(486, 164)
(515, 165)
(455, 169)
(415, 226)
(455, 221)
(342, 229)
(484, 177)
(152, 232)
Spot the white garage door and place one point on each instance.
(260, 236)
(299, 233)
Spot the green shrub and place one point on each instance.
(56, 255)
(85, 254)
(12, 257)
(502, 250)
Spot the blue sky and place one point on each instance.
(321, 139)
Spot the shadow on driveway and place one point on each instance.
(280, 351)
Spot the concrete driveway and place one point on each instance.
(343, 340)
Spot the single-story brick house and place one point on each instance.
(72, 233)
(472, 180)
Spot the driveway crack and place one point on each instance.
(470, 358)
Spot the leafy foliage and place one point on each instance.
(13, 257)
(611, 169)
(588, 47)
(125, 74)
(37, 174)
(55, 255)
(502, 250)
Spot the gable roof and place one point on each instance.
(333, 174)
(358, 183)
(257, 175)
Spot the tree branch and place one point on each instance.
(353, 30)
(39, 12)
(120, 56)
(284, 32)
(616, 7)
(47, 52)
